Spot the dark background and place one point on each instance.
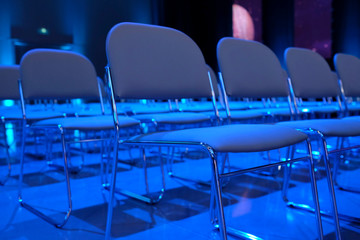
(326, 26)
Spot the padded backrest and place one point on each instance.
(310, 74)
(155, 62)
(250, 69)
(348, 69)
(56, 74)
(9, 76)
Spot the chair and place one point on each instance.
(9, 76)
(153, 62)
(244, 76)
(252, 69)
(311, 76)
(316, 82)
(347, 69)
(55, 74)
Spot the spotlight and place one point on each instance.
(43, 31)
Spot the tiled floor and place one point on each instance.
(253, 202)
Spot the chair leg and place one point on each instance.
(6, 146)
(150, 198)
(67, 179)
(218, 199)
(331, 189)
(112, 187)
(334, 213)
(315, 193)
(336, 165)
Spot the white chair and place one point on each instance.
(153, 62)
(311, 76)
(56, 74)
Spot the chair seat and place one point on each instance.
(231, 138)
(88, 123)
(320, 109)
(238, 114)
(328, 127)
(354, 107)
(246, 114)
(34, 115)
(174, 118)
(279, 111)
(352, 118)
(197, 107)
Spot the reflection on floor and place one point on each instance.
(253, 201)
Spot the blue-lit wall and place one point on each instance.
(78, 25)
(6, 47)
(346, 26)
(82, 25)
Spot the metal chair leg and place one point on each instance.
(29, 207)
(334, 213)
(150, 198)
(218, 199)
(6, 146)
(217, 215)
(315, 194)
(112, 187)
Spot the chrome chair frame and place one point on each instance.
(346, 67)
(275, 76)
(217, 210)
(129, 31)
(323, 128)
(78, 81)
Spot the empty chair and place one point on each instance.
(9, 76)
(348, 70)
(143, 57)
(55, 74)
(311, 76)
(249, 67)
(250, 70)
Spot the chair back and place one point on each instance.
(348, 70)
(310, 74)
(250, 69)
(9, 76)
(57, 74)
(153, 62)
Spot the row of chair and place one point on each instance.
(158, 63)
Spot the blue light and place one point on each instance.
(305, 110)
(43, 31)
(10, 136)
(8, 103)
(66, 47)
(76, 101)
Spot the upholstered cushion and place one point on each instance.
(87, 123)
(328, 127)
(35, 115)
(231, 138)
(320, 109)
(174, 118)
